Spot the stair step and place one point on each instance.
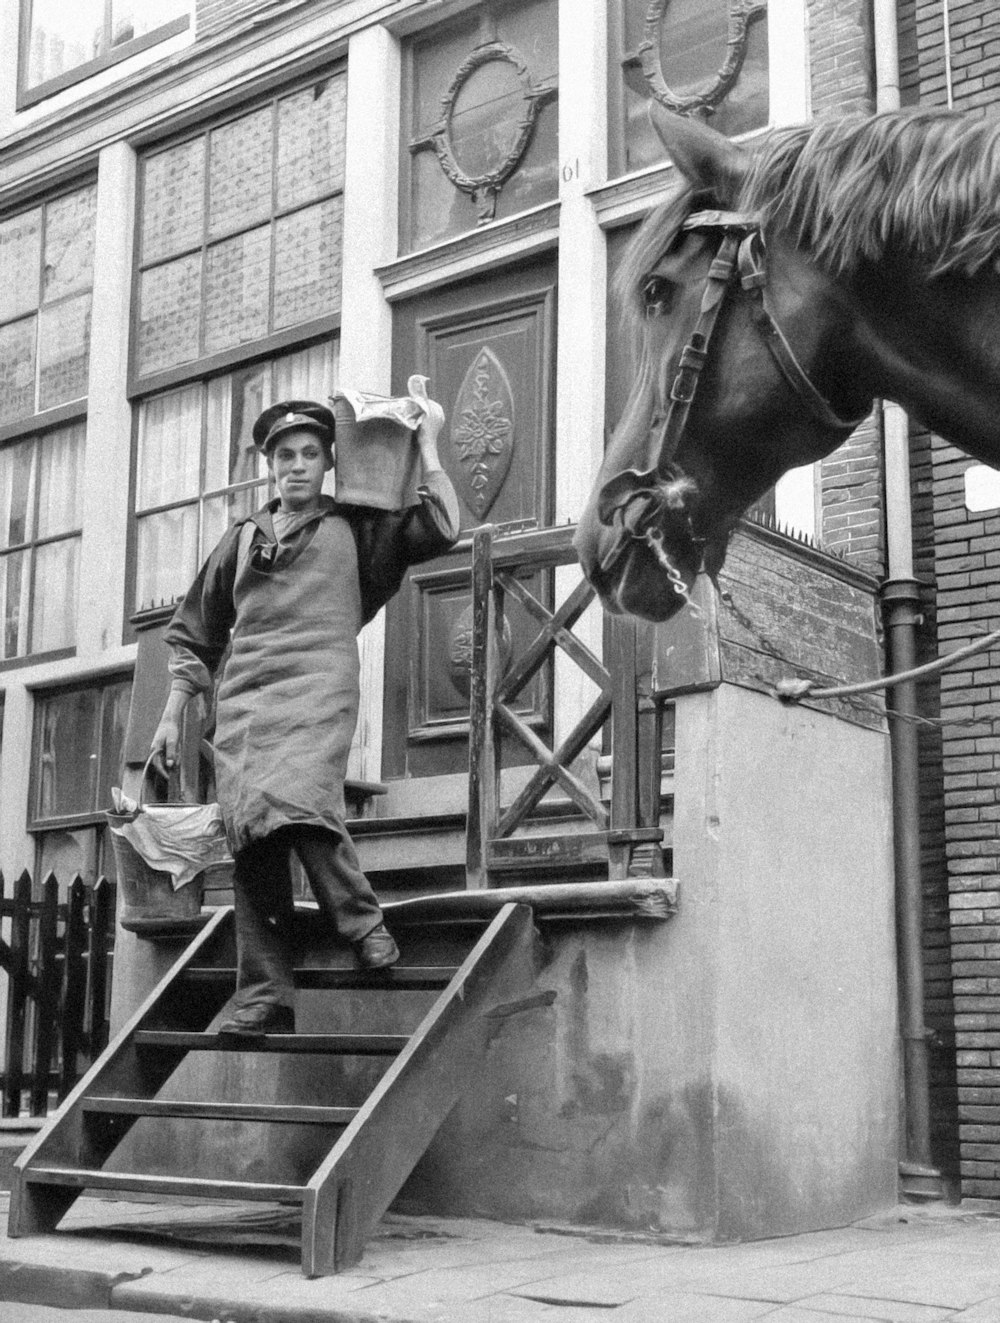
(406, 978)
(198, 1188)
(360, 1045)
(297, 1114)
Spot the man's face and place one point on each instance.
(298, 462)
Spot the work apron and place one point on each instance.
(288, 702)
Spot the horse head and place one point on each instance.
(772, 296)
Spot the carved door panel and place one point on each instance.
(488, 349)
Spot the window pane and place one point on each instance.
(222, 511)
(311, 142)
(234, 403)
(237, 289)
(167, 556)
(485, 121)
(17, 369)
(53, 622)
(20, 263)
(169, 299)
(135, 18)
(60, 472)
(68, 734)
(64, 351)
(169, 447)
(309, 374)
(307, 263)
(114, 716)
(69, 244)
(63, 36)
(173, 211)
(692, 47)
(14, 603)
(240, 160)
(16, 493)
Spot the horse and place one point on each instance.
(775, 294)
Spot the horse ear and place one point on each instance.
(704, 157)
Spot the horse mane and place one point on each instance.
(860, 188)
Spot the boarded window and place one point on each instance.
(241, 230)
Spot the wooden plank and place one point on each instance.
(566, 850)
(194, 1187)
(399, 978)
(637, 898)
(75, 985)
(353, 1187)
(102, 917)
(358, 1045)
(47, 1003)
(296, 1114)
(482, 785)
(17, 995)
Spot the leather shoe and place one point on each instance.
(376, 950)
(263, 1018)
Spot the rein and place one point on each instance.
(638, 500)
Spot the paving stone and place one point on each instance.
(889, 1311)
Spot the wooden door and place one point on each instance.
(488, 348)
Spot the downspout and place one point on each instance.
(919, 1178)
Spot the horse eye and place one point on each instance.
(657, 296)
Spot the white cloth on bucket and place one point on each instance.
(180, 839)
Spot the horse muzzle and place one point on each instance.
(651, 558)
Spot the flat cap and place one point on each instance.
(289, 415)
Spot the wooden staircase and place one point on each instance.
(333, 1119)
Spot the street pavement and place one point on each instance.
(119, 1262)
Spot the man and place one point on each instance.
(287, 591)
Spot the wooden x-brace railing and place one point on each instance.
(498, 568)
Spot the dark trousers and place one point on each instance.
(262, 891)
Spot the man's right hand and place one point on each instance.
(165, 745)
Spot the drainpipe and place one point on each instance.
(919, 1178)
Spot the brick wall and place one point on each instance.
(967, 563)
(852, 522)
(840, 56)
(974, 29)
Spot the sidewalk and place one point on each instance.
(239, 1264)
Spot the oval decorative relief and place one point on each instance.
(704, 101)
(460, 652)
(499, 158)
(482, 432)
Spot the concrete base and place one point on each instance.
(731, 1074)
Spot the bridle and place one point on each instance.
(637, 503)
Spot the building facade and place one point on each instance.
(209, 205)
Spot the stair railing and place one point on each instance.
(623, 837)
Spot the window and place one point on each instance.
(198, 468)
(481, 128)
(40, 521)
(240, 236)
(46, 273)
(706, 57)
(63, 43)
(76, 758)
